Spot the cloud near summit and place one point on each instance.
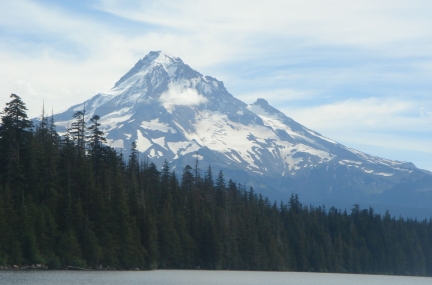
(181, 97)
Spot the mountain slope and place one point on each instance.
(175, 113)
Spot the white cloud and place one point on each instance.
(182, 97)
(373, 114)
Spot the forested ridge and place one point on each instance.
(72, 200)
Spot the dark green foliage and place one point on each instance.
(74, 201)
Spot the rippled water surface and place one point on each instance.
(198, 277)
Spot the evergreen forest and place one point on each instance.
(71, 200)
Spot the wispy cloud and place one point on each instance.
(366, 23)
(372, 114)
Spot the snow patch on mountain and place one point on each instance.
(183, 147)
(156, 125)
(276, 121)
(384, 174)
(116, 143)
(378, 160)
(349, 162)
(216, 131)
(321, 137)
(155, 153)
(160, 141)
(113, 119)
(142, 142)
(271, 120)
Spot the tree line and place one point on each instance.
(72, 200)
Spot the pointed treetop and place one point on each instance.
(15, 113)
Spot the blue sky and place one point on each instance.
(358, 72)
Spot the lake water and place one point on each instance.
(199, 277)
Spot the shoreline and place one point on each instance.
(72, 268)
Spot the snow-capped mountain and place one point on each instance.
(175, 113)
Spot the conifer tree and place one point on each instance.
(96, 137)
(77, 131)
(15, 140)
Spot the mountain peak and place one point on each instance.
(261, 102)
(163, 59)
(264, 105)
